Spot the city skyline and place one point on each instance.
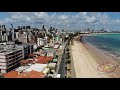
(63, 20)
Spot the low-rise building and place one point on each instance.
(43, 59)
(55, 60)
(31, 74)
(46, 71)
(11, 74)
(21, 68)
(52, 66)
(37, 67)
(50, 54)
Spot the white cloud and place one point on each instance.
(103, 18)
(83, 13)
(63, 17)
(65, 20)
(8, 20)
(41, 14)
(90, 19)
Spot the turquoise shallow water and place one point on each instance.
(106, 42)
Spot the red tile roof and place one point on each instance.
(11, 74)
(24, 61)
(31, 74)
(44, 59)
(31, 55)
(22, 75)
(31, 61)
(35, 74)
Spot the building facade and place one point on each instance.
(23, 37)
(9, 59)
(41, 42)
(30, 48)
(26, 49)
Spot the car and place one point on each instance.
(58, 75)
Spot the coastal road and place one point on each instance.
(62, 70)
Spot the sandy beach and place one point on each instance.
(86, 60)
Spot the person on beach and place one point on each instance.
(80, 38)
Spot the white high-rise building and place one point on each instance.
(1, 32)
(17, 35)
(13, 36)
(4, 37)
(41, 42)
(23, 38)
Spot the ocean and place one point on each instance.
(106, 42)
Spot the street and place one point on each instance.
(62, 69)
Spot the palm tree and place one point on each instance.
(67, 49)
(68, 53)
(65, 68)
(68, 61)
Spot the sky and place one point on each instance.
(63, 20)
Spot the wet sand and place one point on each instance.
(87, 58)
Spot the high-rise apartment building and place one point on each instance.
(9, 59)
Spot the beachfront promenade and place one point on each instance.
(86, 61)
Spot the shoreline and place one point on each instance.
(91, 57)
(101, 50)
(98, 33)
(105, 33)
(89, 34)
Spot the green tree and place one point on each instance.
(65, 68)
(68, 61)
(68, 53)
(67, 49)
(56, 56)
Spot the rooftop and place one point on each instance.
(22, 68)
(44, 59)
(24, 61)
(31, 55)
(27, 61)
(37, 67)
(11, 74)
(31, 74)
(50, 50)
(51, 64)
(55, 60)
